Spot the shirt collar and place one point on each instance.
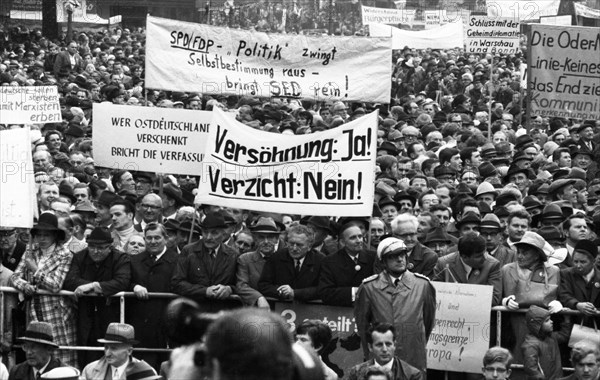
(120, 369)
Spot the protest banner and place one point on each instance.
(462, 327)
(344, 349)
(373, 15)
(492, 35)
(447, 36)
(584, 11)
(326, 173)
(29, 105)
(522, 10)
(556, 20)
(17, 190)
(185, 56)
(564, 73)
(162, 140)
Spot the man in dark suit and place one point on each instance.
(293, 272)
(471, 265)
(250, 264)
(381, 339)
(205, 271)
(68, 61)
(101, 270)
(343, 272)
(38, 344)
(151, 272)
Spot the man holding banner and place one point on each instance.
(399, 297)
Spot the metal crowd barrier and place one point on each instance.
(498, 310)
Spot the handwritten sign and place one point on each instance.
(447, 36)
(150, 139)
(202, 58)
(373, 15)
(564, 74)
(492, 35)
(344, 349)
(29, 105)
(522, 10)
(331, 171)
(461, 332)
(17, 190)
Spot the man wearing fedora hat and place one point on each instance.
(206, 269)
(172, 199)
(293, 272)
(250, 264)
(117, 360)
(39, 345)
(99, 270)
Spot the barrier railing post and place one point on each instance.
(122, 308)
(498, 327)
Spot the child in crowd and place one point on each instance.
(496, 364)
(541, 355)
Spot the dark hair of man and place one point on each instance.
(428, 163)
(127, 206)
(318, 331)
(519, 214)
(116, 178)
(558, 152)
(251, 344)
(382, 328)
(471, 244)
(567, 222)
(466, 153)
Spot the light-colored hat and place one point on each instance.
(62, 373)
(390, 246)
(119, 333)
(485, 188)
(267, 225)
(39, 332)
(535, 240)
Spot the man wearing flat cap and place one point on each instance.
(117, 360)
(206, 269)
(250, 264)
(38, 344)
(384, 296)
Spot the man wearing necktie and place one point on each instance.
(38, 344)
(293, 272)
(151, 272)
(117, 360)
(205, 271)
(343, 272)
(409, 306)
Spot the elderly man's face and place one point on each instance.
(117, 354)
(213, 237)
(36, 354)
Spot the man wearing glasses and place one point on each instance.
(421, 259)
(385, 297)
(151, 208)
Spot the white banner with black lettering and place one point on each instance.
(183, 56)
(328, 173)
(164, 140)
(29, 105)
(564, 73)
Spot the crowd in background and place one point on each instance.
(522, 200)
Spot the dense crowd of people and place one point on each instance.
(461, 195)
